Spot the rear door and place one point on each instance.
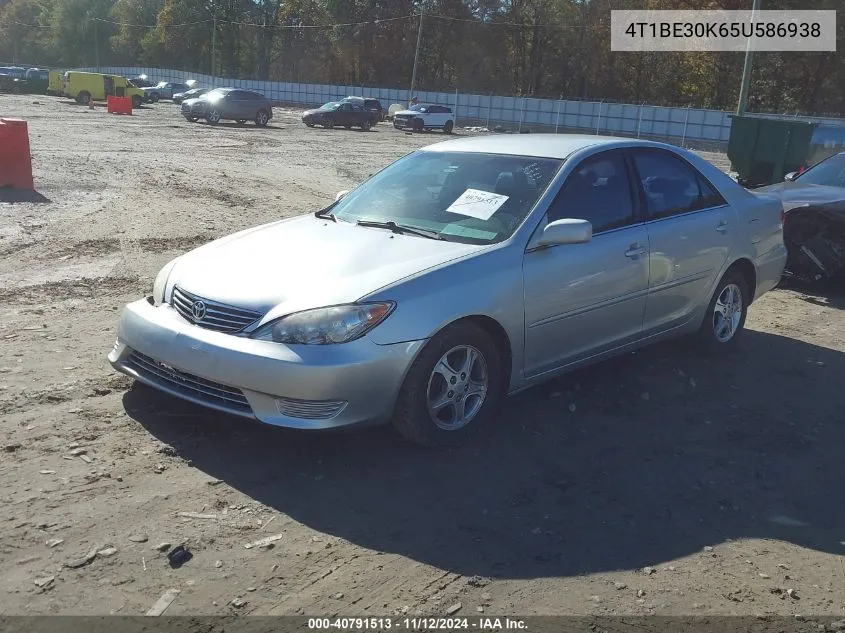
(690, 229)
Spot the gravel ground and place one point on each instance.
(678, 485)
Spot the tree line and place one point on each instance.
(545, 48)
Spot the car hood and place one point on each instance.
(315, 112)
(798, 194)
(307, 262)
(408, 112)
(194, 101)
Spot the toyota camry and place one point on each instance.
(465, 271)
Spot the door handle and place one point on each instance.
(722, 227)
(635, 250)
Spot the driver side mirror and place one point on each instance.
(566, 231)
(340, 194)
(790, 176)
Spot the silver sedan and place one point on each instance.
(463, 272)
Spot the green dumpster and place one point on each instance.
(762, 150)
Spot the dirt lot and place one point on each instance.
(678, 485)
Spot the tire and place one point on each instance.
(413, 417)
(417, 125)
(366, 125)
(83, 97)
(328, 124)
(154, 97)
(212, 116)
(136, 101)
(262, 118)
(724, 320)
(447, 129)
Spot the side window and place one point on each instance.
(671, 186)
(599, 191)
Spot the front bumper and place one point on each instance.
(300, 386)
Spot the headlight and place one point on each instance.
(325, 326)
(161, 282)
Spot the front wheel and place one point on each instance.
(366, 125)
(452, 387)
(328, 124)
(212, 116)
(417, 125)
(83, 97)
(154, 97)
(725, 318)
(447, 129)
(261, 118)
(136, 101)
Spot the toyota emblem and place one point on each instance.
(198, 310)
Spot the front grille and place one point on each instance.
(192, 387)
(310, 409)
(211, 314)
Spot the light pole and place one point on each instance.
(416, 56)
(746, 68)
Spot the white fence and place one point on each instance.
(640, 120)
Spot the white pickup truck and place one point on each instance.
(425, 116)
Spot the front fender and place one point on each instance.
(488, 284)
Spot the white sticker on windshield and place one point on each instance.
(477, 204)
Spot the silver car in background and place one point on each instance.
(231, 104)
(463, 272)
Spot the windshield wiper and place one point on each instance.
(325, 213)
(401, 228)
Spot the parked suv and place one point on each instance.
(345, 113)
(370, 105)
(164, 90)
(425, 117)
(231, 104)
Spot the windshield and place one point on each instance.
(830, 172)
(161, 84)
(211, 95)
(331, 105)
(465, 197)
(418, 108)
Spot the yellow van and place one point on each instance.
(84, 86)
(54, 82)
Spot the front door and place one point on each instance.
(690, 227)
(583, 299)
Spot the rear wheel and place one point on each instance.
(447, 129)
(212, 116)
(453, 385)
(261, 118)
(366, 125)
(83, 97)
(154, 97)
(725, 318)
(328, 124)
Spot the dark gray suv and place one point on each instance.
(231, 104)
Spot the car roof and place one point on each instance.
(540, 145)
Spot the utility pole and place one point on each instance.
(213, 48)
(416, 55)
(746, 68)
(96, 47)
